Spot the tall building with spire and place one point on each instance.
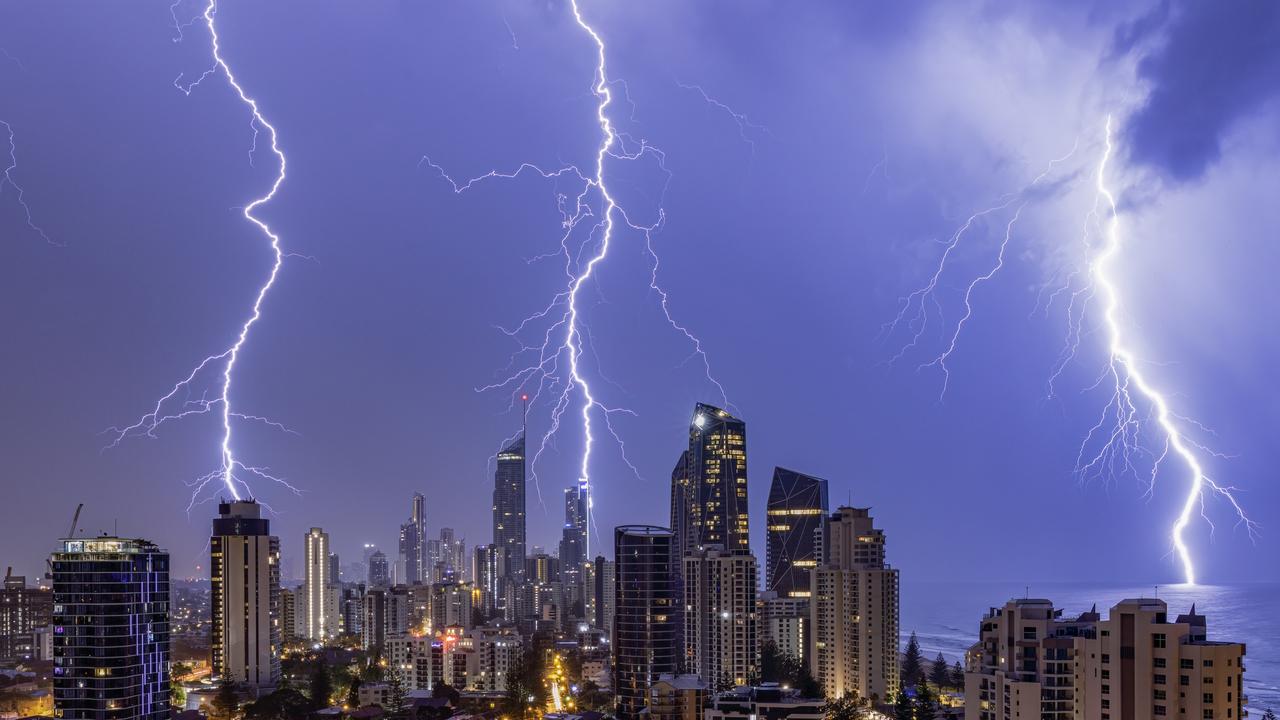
(244, 584)
(797, 504)
(509, 512)
(412, 565)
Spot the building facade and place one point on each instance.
(111, 630)
(720, 621)
(784, 622)
(644, 635)
(854, 610)
(1030, 662)
(244, 593)
(797, 504)
(509, 513)
(717, 468)
(22, 610)
(319, 619)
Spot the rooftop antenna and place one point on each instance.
(1156, 588)
(1027, 589)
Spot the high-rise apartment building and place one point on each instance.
(644, 637)
(784, 622)
(854, 610)
(320, 620)
(289, 616)
(22, 610)
(111, 630)
(797, 504)
(509, 511)
(244, 592)
(386, 614)
(1030, 662)
(451, 605)
(720, 621)
(600, 597)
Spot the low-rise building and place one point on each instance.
(766, 702)
(677, 697)
(1030, 662)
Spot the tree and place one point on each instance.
(353, 693)
(1269, 715)
(805, 684)
(395, 687)
(902, 708)
(225, 705)
(940, 674)
(912, 663)
(926, 703)
(524, 681)
(846, 708)
(772, 661)
(283, 704)
(321, 686)
(957, 676)
(478, 618)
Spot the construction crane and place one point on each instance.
(75, 522)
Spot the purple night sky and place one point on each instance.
(838, 149)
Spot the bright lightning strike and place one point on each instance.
(8, 179)
(177, 404)
(555, 358)
(1121, 419)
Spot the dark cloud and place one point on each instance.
(1208, 65)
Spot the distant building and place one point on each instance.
(854, 610)
(244, 591)
(451, 605)
(677, 697)
(497, 650)
(797, 504)
(111, 630)
(335, 568)
(386, 614)
(644, 637)
(509, 512)
(412, 564)
(379, 573)
(289, 616)
(784, 621)
(22, 610)
(601, 601)
(1030, 662)
(320, 618)
(720, 616)
(574, 551)
(486, 564)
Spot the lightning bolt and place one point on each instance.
(7, 179)
(232, 472)
(1122, 420)
(552, 363)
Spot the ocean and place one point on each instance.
(945, 618)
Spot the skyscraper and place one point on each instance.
(244, 575)
(644, 638)
(854, 610)
(717, 467)
(315, 587)
(797, 504)
(486, 564)
(573, 550)
(379, 574)
(413, 536)
(111, 630)
(509, 511)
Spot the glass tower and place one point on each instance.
(508, 510)
(717, 467)
(644, 621)
(797, 504)
(111, 630)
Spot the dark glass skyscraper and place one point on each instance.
(573, 550)
(111, 630)
(508, 510)
(797, 504)
(717, 467)
(413, 537)
(644, 621)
